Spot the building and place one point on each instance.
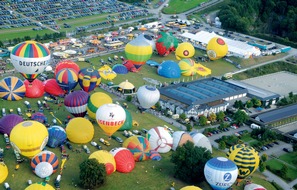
(200, 97)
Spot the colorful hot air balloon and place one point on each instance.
(166, 43)
(246, 158)
(88, 79)
(3, 172)
(76, 103)
(201, 140)
(30, 58)
(8, 122)
(52, 87)
(110, 117)
(187, 67)
(147, 96)
(40, 186)
(180, 138)
(124, 159)
(66, 64)
(120, 69)
(169, 69)
(107, 73)
(67, 79)
(149, 40)
(184, 50)
(160, 139)
(12, 88)
(139, 147)
(34, 89)
(154, 155)
(138, 51)
(106, 158)
(220, 173)
(44, 164)
(216, 48)
(95, 101)
(56, 136)
(80, 130)
(253, 186)
(40, 117)
(128, 122)
(191, 188)
(29, 138)
(129, 65)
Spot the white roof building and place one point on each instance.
(235, 48)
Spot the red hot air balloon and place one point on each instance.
(124, 159)
(34, 89)
(66, 64)
(51, 87)
(76, 103)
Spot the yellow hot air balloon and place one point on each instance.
(3, 172)
(29, 138)
(110, 117)
(106, 158)
(80, 130)
(40, 186)
(246, 158)
(184, 50)
(95, 101)
(187, 67)
(216, 48)
(191, 188)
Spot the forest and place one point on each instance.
(275, 17)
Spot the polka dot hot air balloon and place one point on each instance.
(88, 79)
(96, 100)
(66, 64)
(139, 147)
(67, 79)
(30, 58)
(106, 158)
(124, 159)
(12, 88)
(216, 48)
(160, 139)
(76, 103)
(138, 51)
(44, 164)
(246, 158)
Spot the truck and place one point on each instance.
(255, 126)
(285, 49)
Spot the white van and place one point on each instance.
(255, 126)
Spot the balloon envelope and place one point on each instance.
(3, 172)
(128, 122)
(57, 136)
(66, 64)
(253, 186)
(201, 140)
(139, 147)
(169, 69)
(8, 122)
(44, 164)
(67, 79)
(106, 158)
(88, 79)
(80, 130)
(180, 138)
(216, 48)
(191, 188)
(160, 139)
(76, 103)
(166, 43)
(124, 159)
(12, 88)
(120, 69)
(96, 100)
(40, 117)
(34, 89)
(52, 87)
(147, 96)
(184, 50)
(40, 186)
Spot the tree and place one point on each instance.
(1, 44)
(129, 98)
(284, 170)
(183, 116)
(189, 162)
(92, 174)
(222, 145)
(158, 106)
(240, 117)
(37, 38)
(202, 120)
(212, 117)
(249, 104)
(262, 166)
(220, 116)
(264, 157)
(189, 127)
(295, 147)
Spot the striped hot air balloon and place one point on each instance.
(67, 79)
(160, 139)
(96, 100)
(66, 64)
(139, 147)
(76, 103)
(88, 79)
(44, 164)
(12, 88)
(246, 158)
(40, 117)
(57, 136)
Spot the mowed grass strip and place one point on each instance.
(290, 158)
(180, 6)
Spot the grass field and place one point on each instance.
(180, 6)
(290, 158)
(277, 165)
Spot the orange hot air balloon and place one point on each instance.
(110, 117)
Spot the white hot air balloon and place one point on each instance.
(180, 138)
(160, 139)
(44, 164)
(201, 140)
(220, 173)
(253, 186)
(148, 96)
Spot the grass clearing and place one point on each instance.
(180, 6)
(276, 166)
(290, 158)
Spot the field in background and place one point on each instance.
(180, 6)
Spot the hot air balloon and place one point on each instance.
(88, 79)
(201, 140)
(30, 58)
(52, 87)
(147, 96)
(3, 172)
(106, 158)
(129, 65)
(67, 79)
(149, 40)
(110, 118)
(120, 69)
(57, 136)
(40, 117)
(191, 188)
(166, 43)
(29, 138)
(154, 155)
(216, 48)
(180, 138)
(34, 89)
(138, 51)
(139, 147)
(128, 122)
(124, 159)
(12, 88)
(246, 158)
(44, 164)
(184, 50)
(40, 186)
(107, 73)
(169, 69)
(76, 103)
(95, 101)
(187, 67)
(80, 130)
(220, 173)
(66, 64)
(8, 122)
(160, 139)
(253, 186)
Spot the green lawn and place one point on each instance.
(180, 6)
(276, 165)
(246, 138)
(290, 158)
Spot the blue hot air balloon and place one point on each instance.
(220, 173)
(40, 117)
(169, 69)
(67, 79)
(12, 88)
(120, 69)
(88, 79)
(57, 135)
(76, 103)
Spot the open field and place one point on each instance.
(277, 165)
(180, 6)
(290, 158)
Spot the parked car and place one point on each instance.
(264, 148)
(275, 142)
(105, 142)
(144, 131)
(286, 150)
(86, 149)
(69, 146)
(136, 132)
(93, 143)
(118, 139)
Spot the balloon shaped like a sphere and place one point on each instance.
(184, 50)
(30, 58)
(160, 139)
(139, 147)
(40, 186)
(147, 96)
(169, 69)
(34, 89)
(95, 101)
(80, 130)
(76, 103)
(124, 159)
(88, 79)
(192, 187)
(216, 48)
(110, 118)
(44, 164)
(220, 173)
(106, 158)
(29, 138)
(180, 138)
(3, 172)
(201, 140)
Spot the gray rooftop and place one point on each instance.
(201, 91)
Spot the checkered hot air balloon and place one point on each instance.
(76, 103)
(12, 88)
(88, 79)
